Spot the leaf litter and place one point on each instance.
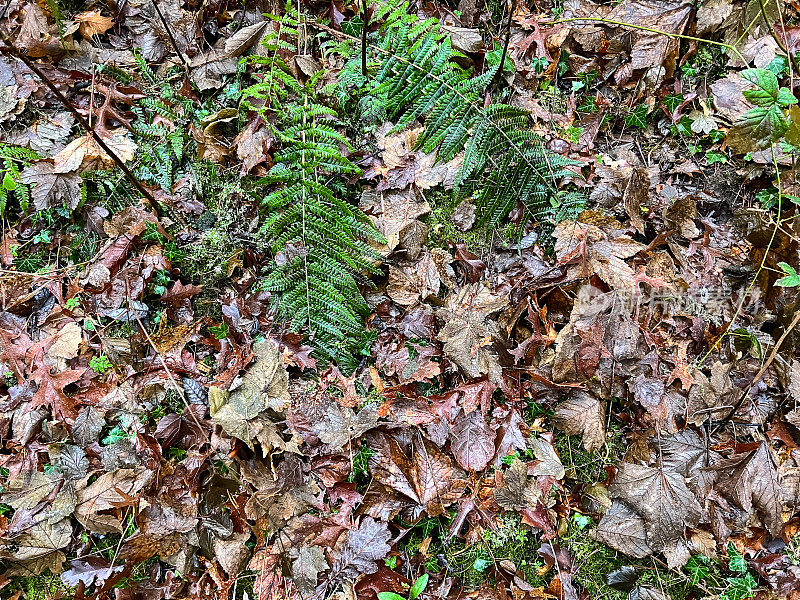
(621, 378)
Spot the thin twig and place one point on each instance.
(762, 370)
(170, 36)
(365, 18)
(774, 35)
(508, 39)
(14, 51)
(678, 36)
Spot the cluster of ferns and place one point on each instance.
(323, 244)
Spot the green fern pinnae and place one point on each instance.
(417, 79)
(324, 241)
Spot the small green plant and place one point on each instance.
(419, 586)
(161, 128)
(12, 161)
(637, 117)
(321, 242)
(220, 332)
(790, 278)
(413, 76)
(100, 364)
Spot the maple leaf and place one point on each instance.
(264, 385)
(84, 153)
(518, 491)
(751, 480)
(599, 247)
(340, 425)
(412, 281)
(50, 188)
(364, 546)
(429, 478)
(511, 432)
(92, 22)
(623, 530)
(663, 404)
(42, 541)
(688, 454)
(661, 498)
(583, 414)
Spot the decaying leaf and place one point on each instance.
(583, 414)
(472, 441)
(518, 491)
(341, 426)
(661, 498)
(364, 546)
(623, 529)
(752, 481)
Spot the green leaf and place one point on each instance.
(8, 182)
(637, 117)
(389, 596)
(766, 91)
(786, 97)
(419, 586)
(792, 279)
(737, 562)
(757, 128)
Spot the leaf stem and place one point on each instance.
(649, 30)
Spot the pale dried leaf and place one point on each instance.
(585, 415)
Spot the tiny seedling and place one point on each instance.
(100, 364)
(419, 586)
(791, 278)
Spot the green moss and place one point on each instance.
(37, 587)
(594, 561)
(511, 541)
(478, 240)
(588, 467)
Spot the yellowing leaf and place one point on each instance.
(91, 23)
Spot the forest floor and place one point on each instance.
(492, 301)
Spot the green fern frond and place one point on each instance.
(415, 77)
(322, 243)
